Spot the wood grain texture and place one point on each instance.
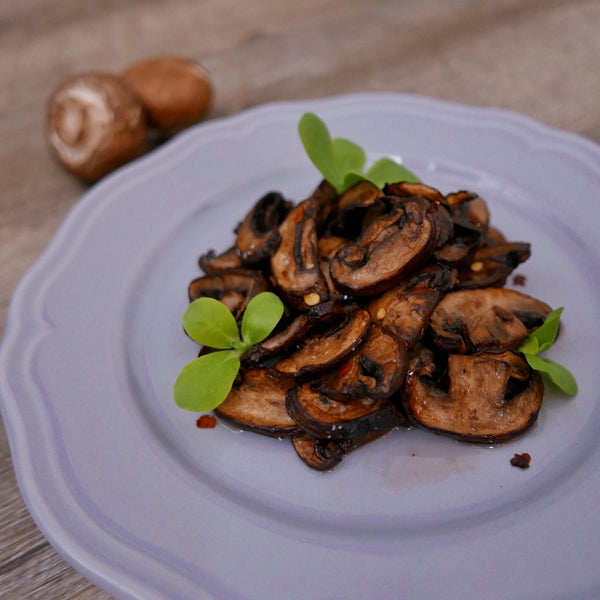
(540, 58)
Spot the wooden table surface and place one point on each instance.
(537, 57)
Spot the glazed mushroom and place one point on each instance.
(325, 418)
(322, 352)
(407, 189)
(491, 265)
(353, 205)
(235, 288)
(490, 397)
(257, 403)
(486, 318)
(175, 91)
(291, 336)
(295, 264)
(214, 264)
(95, 123)
(405, 309)
(258, 235)
(324, 455)
(375, 370)
(388, 250)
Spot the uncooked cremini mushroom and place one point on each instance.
(95, 124)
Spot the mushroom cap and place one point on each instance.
(258, 235)
(490, 397)
(485, 318)
(94, 124)
(257, 403)
(295, 265)
(175, 91)
(323, 352)
(390, 248)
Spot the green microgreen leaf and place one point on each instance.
(341, 161)
(260, 317)
(319, 147)
(560, 376)
(546, 333)
(205, 382)
(210, 323)
(347, 156)
(541, 340)
(386, 170)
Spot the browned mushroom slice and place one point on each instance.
(295, 265)
(469, 208)
(325, 418)
(323, 352)
(460, 245)
(327, 199)
(406, 309)
(328, 246)
(390, 248)
(258, 235)
(376, 369)
(257, 404)
(486, 318)
(324, 455)
(492, 265)
(214, 264)
(405, 189)
(490, 397)
(353, 205)
(234, 288)
(292, 335)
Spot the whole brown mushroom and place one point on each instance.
(95, 124)
(175, 91)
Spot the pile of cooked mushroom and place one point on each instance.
(395, 315)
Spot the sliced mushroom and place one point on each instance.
(486, 318)
(352, 207)
(295, 332)
(325, 418)
(376, 369)
(295, 265)
(323, 352)
(258, 235)
(390, 248)
(257, 404)
(470, 209)
(491, 265)
(215, 264)
(234, 288)
(328, 246)
(324, 455)
(405, 189)
(490, 397)
(327, 199)
(406, 309)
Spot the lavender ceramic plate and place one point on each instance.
(148, 506)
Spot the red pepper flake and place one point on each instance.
(519, 280)
(206, 422)
(521, 460)
(344, 369)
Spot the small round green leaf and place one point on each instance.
(205, 382)
(560, 376)
(386, 170)
(347, 156)
(260, 317)
(210, 323)
(318, 145)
